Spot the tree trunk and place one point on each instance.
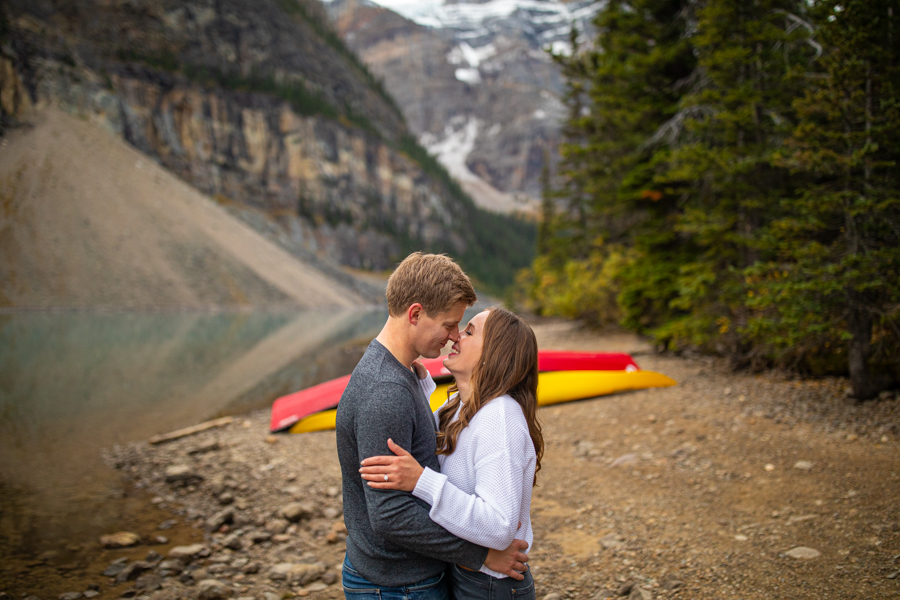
(859, 324)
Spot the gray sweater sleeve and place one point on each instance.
(398, 516)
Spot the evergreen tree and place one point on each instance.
(832, 294)
(618, 93)
(723, 138)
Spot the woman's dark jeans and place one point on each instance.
(472, 585)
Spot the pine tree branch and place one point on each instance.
(671, 129)
(794, 23)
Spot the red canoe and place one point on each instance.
(289, 409)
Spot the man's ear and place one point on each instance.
(414, 312)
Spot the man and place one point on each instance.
(393, 547)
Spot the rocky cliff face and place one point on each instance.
(474, 81)
(252, 103)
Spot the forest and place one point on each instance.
(728, 184)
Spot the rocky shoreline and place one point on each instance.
(727, 485)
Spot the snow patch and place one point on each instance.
(561, 48)
(459, 140)
(452, 151)
(464, 53)
(470, 76)
(466, 15)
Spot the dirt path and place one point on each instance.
(700, 491)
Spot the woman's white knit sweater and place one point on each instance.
(484, 488)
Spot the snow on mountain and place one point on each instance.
(553, 16)
(475, 81)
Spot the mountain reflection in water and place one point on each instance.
(72, 384)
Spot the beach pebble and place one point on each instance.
(329, 577)
(252, 567)
(672, 583)
(803, 552)
(639, 593)
(280, 571)
(181, 473)
(553, 596)
(116, 567)
(305, 574)
(625, 588)
(70, 596)
(317, 586)
(121, 539)
(167, 524)
(188, 553)
(332, 491)
(258, 537)
(803, 465)
(233, 541)
(148, 582)
(295, 511)
(91, 594)
(276, 526)
(223, 517)
(213, 589)
(171, 567)
(133, 571)
(611, 540)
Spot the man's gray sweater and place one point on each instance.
(391, 540)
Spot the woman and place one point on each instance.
(489, 447)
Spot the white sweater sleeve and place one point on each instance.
(427, 386)
(490, 516)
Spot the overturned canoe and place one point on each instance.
(554, 387)
(290, 409)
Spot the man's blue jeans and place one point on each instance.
(356, 587)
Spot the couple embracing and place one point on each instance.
(437, 505)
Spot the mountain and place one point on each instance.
(260, 106)
(475, 82)
(89, 222)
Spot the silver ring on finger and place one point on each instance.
(385, 477)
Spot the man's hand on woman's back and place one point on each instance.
(510, 562)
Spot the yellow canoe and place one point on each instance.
(554, 387)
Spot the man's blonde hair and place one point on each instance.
(432, 280)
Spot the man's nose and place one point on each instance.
(454, 334)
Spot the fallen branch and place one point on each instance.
(174, 435)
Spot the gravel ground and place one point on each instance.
(725, 486)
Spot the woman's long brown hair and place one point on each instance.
(509, 366)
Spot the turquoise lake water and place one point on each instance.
(72, 384)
